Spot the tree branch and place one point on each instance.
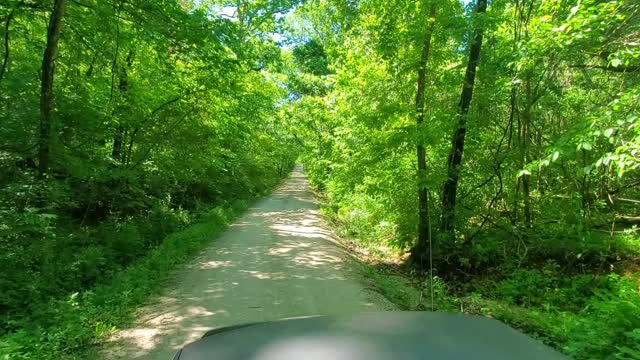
(154, 112)
(618, 69)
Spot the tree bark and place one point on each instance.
(424, 246)
(46, 93)
(118, 138)
(515, 119)
(585, 184)
(450, 190)
(526, 140)
(5, 60)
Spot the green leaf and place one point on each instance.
(584, 146)
(563, 27)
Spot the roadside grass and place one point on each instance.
(599, 330)
(413, 294)
(585, 316)
(85, 318)
(395, 287)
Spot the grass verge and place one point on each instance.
(413, 294)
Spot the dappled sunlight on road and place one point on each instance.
(215, 264)
(317, 258)
(143, 340)
(301, 231)
(277, 261)
(273, 276)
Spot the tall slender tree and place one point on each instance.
(7, 47)
(450, 191)
(119, 136)
(424, 245)
(46, 91)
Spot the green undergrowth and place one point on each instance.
(394, 286)
(606, 325)
(76, 323)
(592, 313)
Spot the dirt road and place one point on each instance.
(276, 261)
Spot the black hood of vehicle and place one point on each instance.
(374, 336)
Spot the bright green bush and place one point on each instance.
(610, 323)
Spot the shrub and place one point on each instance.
(76, 322)
(124, 239)
(610, 323)
(91, 264)
(160, 221)
(525, 287)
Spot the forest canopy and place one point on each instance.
(490, 146)
(496, 144)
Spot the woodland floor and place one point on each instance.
(279, 260)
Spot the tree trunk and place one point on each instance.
(118, 138)
(526, 139)
(132, 139)
(585, 191)
(422, 249)
(450, 190)
(515, 118)
(46, 93)
(5, 60)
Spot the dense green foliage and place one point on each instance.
(66, 327)
(586, 317)
(545, 201)
(494, 143)
(160, 111)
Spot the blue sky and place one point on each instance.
(229, 11)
